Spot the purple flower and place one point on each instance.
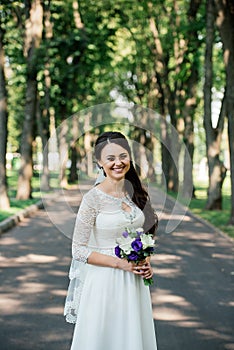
(137, 245)
(125, 234)
(118, 251)
(133, 256)
(149, 250)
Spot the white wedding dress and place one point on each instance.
(111, 307)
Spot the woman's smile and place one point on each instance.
(119, 169)
(115, 161)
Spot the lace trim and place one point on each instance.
(130, 215)
(77, 275)
(106, 195)
(71, 306)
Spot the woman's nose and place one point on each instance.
(118, 161)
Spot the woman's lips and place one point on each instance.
(118, 170)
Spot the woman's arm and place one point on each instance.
(100, 259)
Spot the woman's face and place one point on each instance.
(115, 161)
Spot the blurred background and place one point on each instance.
(161, 72)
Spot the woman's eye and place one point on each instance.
(110, 159)
(123, 156)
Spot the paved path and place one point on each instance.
(192, 296)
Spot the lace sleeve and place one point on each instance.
(84, 222)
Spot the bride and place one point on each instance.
(107, 298)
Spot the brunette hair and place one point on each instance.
(132, 182)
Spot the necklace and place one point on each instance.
(129, 214)
(126, 205)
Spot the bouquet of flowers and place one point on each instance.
(135, 246)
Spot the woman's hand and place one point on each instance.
(123, 264)
(143, 269)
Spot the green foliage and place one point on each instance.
(111, 54)
(217, 218)
(12, 17)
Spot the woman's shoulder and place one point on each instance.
(91, 197)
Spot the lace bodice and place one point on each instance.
(101, 219)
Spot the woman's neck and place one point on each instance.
(114, 187)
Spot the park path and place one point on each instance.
(192, 296)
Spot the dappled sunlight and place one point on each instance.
(169, 314)
(29, 258)
(57, 273)
(187, 302)
(36, 258)
(189, 324)
(10, 305)
(192, 294)
(222, 256)
(210, 333)
(167, 272)
(28, 275)
(168, 257)
(229, 346)
(172, 299)
(171, 307)
(60, 292)
(9, 240)
(184, 253)
(56, 310)
(32, 287)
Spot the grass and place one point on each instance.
(18, 205)
(218, 218)
(15, 207)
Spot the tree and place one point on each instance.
(33, 34)
(44, 108)
(225, 24)
(4, 200)
(162, 72)
(217, 171)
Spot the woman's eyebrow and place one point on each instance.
(112, 155)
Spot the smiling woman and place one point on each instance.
(107, 297)
(115, 162)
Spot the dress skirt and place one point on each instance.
(115, 312)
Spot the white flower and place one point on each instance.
(125, 244)
(127, 248)
(147, 241)
(124, 240)
(140, 230)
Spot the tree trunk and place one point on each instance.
(225, 23)
(43, 129)
(136, 136)
(87, 145)
(165, 154)
(191, 99)
(62, 131)
(188, 156)
(73, 176)
(45, 115)
(33, 35)
(150, 144)
(170, 155)
(4, 200)
(217, 170)
(175, 147)
(231, 148)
